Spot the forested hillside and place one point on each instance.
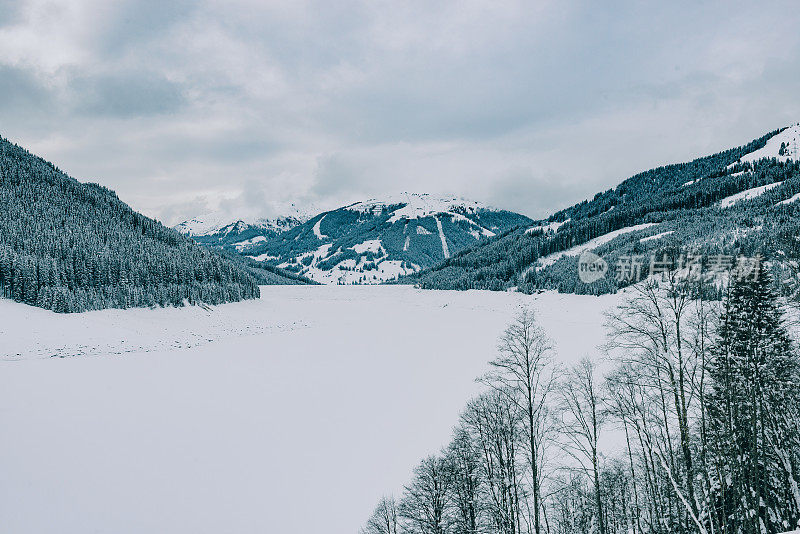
(671, 209)
(70, 247)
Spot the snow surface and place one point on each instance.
(589, 245)
(318, 231)
(445, 250)
(371, 245)
(202, 225)
(547, 228)
(234, 418)
(418, 205)
(265, 256)
(242, 245)
(790, 137)
(748, 194)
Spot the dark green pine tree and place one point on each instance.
(752, 407)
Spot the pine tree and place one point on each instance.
(753, 378)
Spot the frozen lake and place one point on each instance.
(290, 414)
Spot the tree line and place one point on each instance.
(70, 247)
(673, 193)
(703, 407)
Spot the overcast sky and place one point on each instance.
(246, 107)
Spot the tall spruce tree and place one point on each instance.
(752, 406)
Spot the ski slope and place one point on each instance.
(789, 138)
(748, 194)
(234, 418)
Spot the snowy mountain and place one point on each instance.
(742, 201)
(381, 239)
(202, 225)
(215, 229)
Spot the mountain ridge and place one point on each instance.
(691, 205)
(375, 240)
(70, 246)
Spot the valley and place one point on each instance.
(211, 419)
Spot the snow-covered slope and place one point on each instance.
(783, 147)
(381, 239)
(748, 194)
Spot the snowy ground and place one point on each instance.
(291, 414)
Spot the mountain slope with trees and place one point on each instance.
(694, 206)
(69, 246)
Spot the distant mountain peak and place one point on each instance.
(213, 223)
(418, 205)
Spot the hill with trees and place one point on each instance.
(742, 201)
(69, 246)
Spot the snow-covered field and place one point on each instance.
(290, 414)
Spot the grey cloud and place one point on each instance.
(9, 12)
(527, 106)
(129, 94)
(135, 22)
(21, 92)
(535, 195)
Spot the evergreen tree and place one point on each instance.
(753, 387)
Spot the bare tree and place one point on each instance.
(523, 370)
(464, 460)
(582, 420)
(383, 519)
(495, 424)
(651, 331)
(427, 497)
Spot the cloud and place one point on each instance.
(127, 94)
(248, 106)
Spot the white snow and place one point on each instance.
(748, 194)
(477, 229)
(287, 216)
(421, 230)
(241, 245)
(265, 256)
(791, 139)
(793, 198)
(657, 236)
(371, 245)
(418, 205)
(203, 225)
(204, 421)
(317, 231)
(547, 228)
(407, 243)
(589, 245)
(445, 250)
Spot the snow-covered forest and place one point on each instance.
(701, 397)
